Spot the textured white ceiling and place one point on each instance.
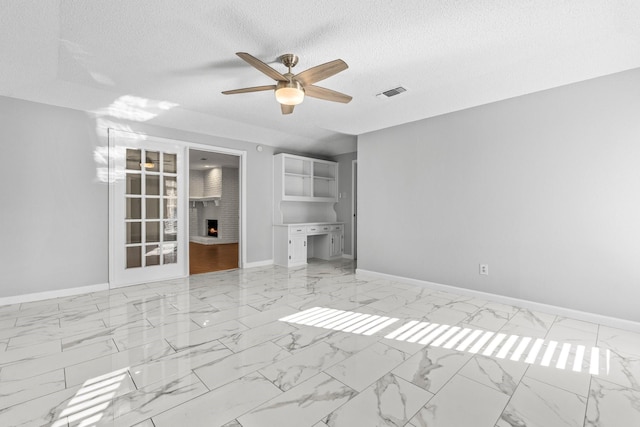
(166, 62)
(203, 160)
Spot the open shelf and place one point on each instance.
(297, 166)
(305, 179)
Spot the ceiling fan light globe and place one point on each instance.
(289, 93)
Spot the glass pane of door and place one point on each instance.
(158, 202)
(170, 164)
(134, 159)
(134, 259)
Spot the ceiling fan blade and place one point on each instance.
(261, 66)
(326, 94)
(286, 109)
(249, 89)
(321, 72)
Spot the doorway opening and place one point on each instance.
(354, 209)
(214, 211)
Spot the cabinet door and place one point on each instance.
(336, 244)
(298, 249)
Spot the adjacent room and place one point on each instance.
(214, 211)
(320, 214)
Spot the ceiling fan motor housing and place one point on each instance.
(289, 60)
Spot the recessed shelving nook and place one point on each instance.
(306, 190)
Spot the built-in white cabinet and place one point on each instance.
(303, 179)
(294, 243)
(304, 216)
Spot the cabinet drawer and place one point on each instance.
(297, 230)
(326, 227)
(338, 227)
(313, 228)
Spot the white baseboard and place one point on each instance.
(142, 282)
(254, 264)
(38, 296)
(614, 322)
(347, 256)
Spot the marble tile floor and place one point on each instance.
(314, 346)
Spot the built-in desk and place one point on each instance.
(294, 243)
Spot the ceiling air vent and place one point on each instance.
(391, 92)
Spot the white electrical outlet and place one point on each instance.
(484, 269)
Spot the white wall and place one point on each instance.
(196, 183)
(212, 182)
(545, 188)
(54, 209)
(229, 203)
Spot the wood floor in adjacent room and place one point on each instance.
(208, 258)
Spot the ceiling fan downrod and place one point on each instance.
(289, 60)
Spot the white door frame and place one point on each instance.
(186, 145)
(354, 207)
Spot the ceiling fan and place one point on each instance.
(291, 89)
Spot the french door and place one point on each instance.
(147, 209)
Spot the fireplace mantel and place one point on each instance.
(204, 199)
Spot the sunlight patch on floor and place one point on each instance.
(475, 341)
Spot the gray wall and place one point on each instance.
(344, 209)
(54, 210)
(545, 188)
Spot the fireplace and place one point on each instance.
(212, 227)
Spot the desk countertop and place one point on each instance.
(295, 224)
